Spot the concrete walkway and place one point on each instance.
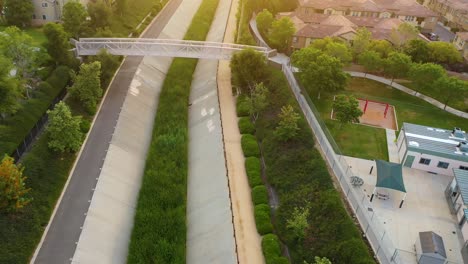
(210, 231)
(392, 146)
(247, 238)
(109, 222)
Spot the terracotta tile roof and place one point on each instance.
(318, 31)
(463, 35)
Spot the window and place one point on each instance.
(355, 13)
(44, 17)
(45, 5)
(443, 165)
(463, 168)
(409, 18)
(424, 161)
(294, 39)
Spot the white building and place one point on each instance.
(433, 150)
(49, 10)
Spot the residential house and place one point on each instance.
(405, 10)
(49, 10)
(434, 150)
(454, 12)
(461, 43)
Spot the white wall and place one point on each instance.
(432, 167)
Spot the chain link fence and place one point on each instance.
(373, 229)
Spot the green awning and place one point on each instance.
(390, 175)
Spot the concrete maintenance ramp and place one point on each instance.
(210, 233)
(109, 221)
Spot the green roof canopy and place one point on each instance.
(390, 175)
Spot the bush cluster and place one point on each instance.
(253, 169)
(245, 126)
(272, 250)
(15, 128)
(263, 219)
(159, 233)
(260, 195)
(243, 108)
(250, 146)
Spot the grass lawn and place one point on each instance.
(35, 32)
(369, 142)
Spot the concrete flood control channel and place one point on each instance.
(210, 233)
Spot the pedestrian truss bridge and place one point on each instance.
(162, 48)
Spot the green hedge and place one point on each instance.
(250, 146)
(263, 219)
(14, 129)
(253, 169)
(272, 250)
(242, 107)
(159, 232)
(260, 195)
(246, 126)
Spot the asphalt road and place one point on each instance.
(444, 34)
(60, 242)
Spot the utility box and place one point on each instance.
(430, 248)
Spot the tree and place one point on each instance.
(248, 68)
(287, 127)
(340, 51)
(74, 18)
(319, 260)
(397, 65)
(257, 100)
(318, 71)
(425, 75)
(109, 63)
(404, 33)
(13, 189)
(361, 41)
(120, 7)
(99, 13)
(87, 86)
(264, 21)
(418, 50)
(282, 31)
(18, 12)
(451, 87)
(346, 109)
(298, 222)
(381, 46)
(57, 45)
(17, 46)
(371, 61)
(9, 89)
(63, 129)
(443, 52)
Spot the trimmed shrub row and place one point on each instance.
(242, 106)
(263, 219)
(14, 129)
(253, 169)
(272, 250)
(260, 195)
(159, 231)
(245, 126)
(250, 146)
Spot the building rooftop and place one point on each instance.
(462, 181)
(463, 35)
(434, 141)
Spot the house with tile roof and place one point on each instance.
(49, 10)
(454, 12)
(461, 43)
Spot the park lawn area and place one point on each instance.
(457, 102)
(369, 142)
(35, 32)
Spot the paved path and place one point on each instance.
(59, 243)
(392, 146)
(444, 33)
(248, 240)
(411, 92)
(210, 231)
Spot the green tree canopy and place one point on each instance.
(63, 129)
(258, 100)
(57, 45)
(424, 75)
(403, 33)
(381, 46)
(318, 71)
(9, 88)
(418, 50)
(443, 52)
(451, 87)
(361, 41)
(298, 222)
(346, 109)
(282, 31)
(18, 12)
(264, 21)
(371, 61)
(74, 18)
(249, 67)
(287, 127)
(397, 65)
(109, 63)
(13, 189)
(120, 7)
(87, 85)
(340, 51)
(319, 260)
(100, 14)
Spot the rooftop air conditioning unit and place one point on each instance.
(458, 133)
(463, 146)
